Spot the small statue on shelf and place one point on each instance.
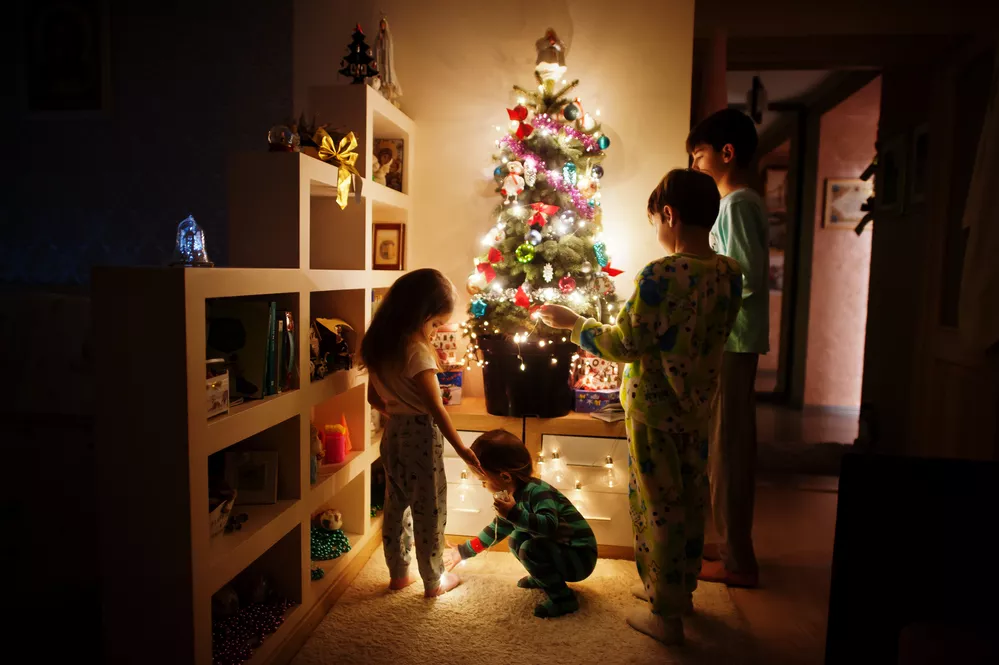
(315, 453)
(382, 166)
(386, 82)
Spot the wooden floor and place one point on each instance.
(793, 535)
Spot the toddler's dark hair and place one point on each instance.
(692, 195)
(727, 126)
(500, 451)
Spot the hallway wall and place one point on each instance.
(841, 260)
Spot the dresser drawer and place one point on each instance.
(608, 514)
(583, 460)
(469, 516)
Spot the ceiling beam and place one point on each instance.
(833, 51)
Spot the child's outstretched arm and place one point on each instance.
(494, 533)
(430, 394)
(625, 341)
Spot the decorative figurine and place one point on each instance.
(551, 57)
(190, 249)
(331, 520)
(358, 64)
(387, 83)
(315, 453)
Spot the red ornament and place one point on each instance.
(613, 272)
(521, 300)
(486, 270)
(542, 211)
(567, 285)
(495, 256)
(519, 114)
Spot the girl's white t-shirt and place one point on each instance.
(399, 392)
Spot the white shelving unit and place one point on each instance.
(294, 246)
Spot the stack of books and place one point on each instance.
(257, 341)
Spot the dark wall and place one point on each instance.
(189, 83)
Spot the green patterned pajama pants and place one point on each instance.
(412, 451)
(667, 492)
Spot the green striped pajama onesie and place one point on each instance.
(550, 538)
(672, 334)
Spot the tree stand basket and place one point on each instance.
(541, 389)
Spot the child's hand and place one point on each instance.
(469, 458)
(557, 316)
(452, 559)
(504, 505)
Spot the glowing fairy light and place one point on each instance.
(542, 342)
(521, 100)
(554, 361)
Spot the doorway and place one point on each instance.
(817, 136)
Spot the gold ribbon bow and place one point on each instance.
(341, 154)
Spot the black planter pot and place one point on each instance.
(541, 389)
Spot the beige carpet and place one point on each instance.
(488, 619)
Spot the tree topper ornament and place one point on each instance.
(551, 57)
(513, 185)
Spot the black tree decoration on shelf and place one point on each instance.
(359, 62)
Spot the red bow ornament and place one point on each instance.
(518, 114)
(487, 270)
(495, 256)
(613, 272)
(542, 211)
(521, 299)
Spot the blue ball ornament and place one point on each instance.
(603, 142)
(498, 172)
(571, 111)
(479, 308)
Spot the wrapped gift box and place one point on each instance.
(450, 381)
(588, 401)
(446, 343)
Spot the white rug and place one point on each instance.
(488, 620)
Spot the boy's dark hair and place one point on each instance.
(727, 126)
(500, 451)
(692, 195)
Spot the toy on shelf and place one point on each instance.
(330, 344)
(241, 621)
(596, 383)
(382, 167)
(315, 453)
(336, 442)
(327, 539)
(190, 249)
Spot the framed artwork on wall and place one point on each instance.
(775, 189)
(843, 199)
(388, 240)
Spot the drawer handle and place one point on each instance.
(597, 519)
(464, 510)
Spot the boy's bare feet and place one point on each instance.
(448, 582)
(667, 631)
(712, 552)
(715, 571)
(401, 583)
(638, 591)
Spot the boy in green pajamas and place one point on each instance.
(672, 333)
(722, 146)
(547, 534)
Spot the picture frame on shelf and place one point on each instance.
(388, 240)
(920, 164)
(843, 200)
(889, 185)
(253, 475)
(387, 168)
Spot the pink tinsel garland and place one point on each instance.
(554, 178)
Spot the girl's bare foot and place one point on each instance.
(448, 582)
(401, 583)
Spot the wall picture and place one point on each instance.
(253, 474)
(775, 189)
(389, 246)
(844, 197)
(389, 160)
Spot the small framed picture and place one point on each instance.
(844, 197)
(890, 177)
(920, 161)
(253, 474)
(387, 168)
(775, 189)
(388, 241)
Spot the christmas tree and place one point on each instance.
(359, 62)
(547, 244)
